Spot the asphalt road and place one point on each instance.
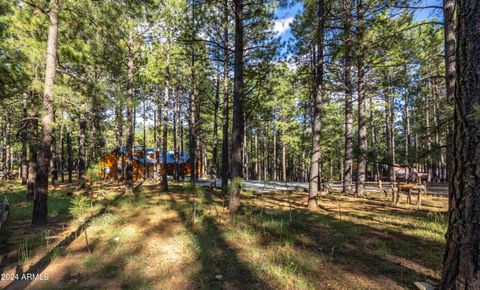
(271, 186)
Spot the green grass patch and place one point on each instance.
(21, 207)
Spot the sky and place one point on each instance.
(286, 15)
(282, 25)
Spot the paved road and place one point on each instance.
(270, 186)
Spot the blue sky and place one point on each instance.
(286, 15)
(422, 14)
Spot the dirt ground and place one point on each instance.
(185, 239)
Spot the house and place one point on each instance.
(145, 162)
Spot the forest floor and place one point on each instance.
(185, 239)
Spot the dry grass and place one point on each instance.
(185, 239)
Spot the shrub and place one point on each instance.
(235, 184)
(79, 206)
(93, 173)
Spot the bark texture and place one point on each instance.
(314, 179)
(82, 127)
(225, 109)
(461, 265)
(216, 105)
(362, 125)
(40, 208)
(164, 183)
(119, 134)
(238, 125)
(450, 68)
(69, 156)
(192, 112)
(130, 122)
(347, 75)
(32, 152)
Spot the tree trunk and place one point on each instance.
(462, 255)
(436, 124)
(390, 134)
(320, 176)
(373, 141)
(429, 142)
(193, 109)
(144, 153)
(130, 122)
(69, 156)
(362, 126)
(376, 168)
(32, 151)
(314, 180)
(304, 167)
(95, 129)
(82, 127)
(275, 157)
(284, 161)
(182, 149)
(119, 135)
(347, 74)
(4, 149)
(450, 69)
(255, 141)
(238, 114)
(155, 128)
(393, 151)
(158, 145)
(305, 125)
(245, 152)
(407, 136)
(40, 208)
(416, 157)
(225, 145)
(204, 161)
(24, 158)
(8, 149)
(53, 160)
(62, 151)
(164, 183)
(330, 170)
(176, 151)
(265, 155)
(216, 105)
(407, 130)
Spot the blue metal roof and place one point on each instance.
(150, 150)
(137, 149)
(183, 158)
(142, 160)
(170, 157)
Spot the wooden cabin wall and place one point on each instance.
(111, 161)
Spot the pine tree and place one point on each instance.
(460, 269)
(40, 208)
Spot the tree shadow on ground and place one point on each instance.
(46, 259)
(357, 248)
(344, 250)
(18, 228)
(217, 257)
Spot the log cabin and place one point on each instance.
(146, 162)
